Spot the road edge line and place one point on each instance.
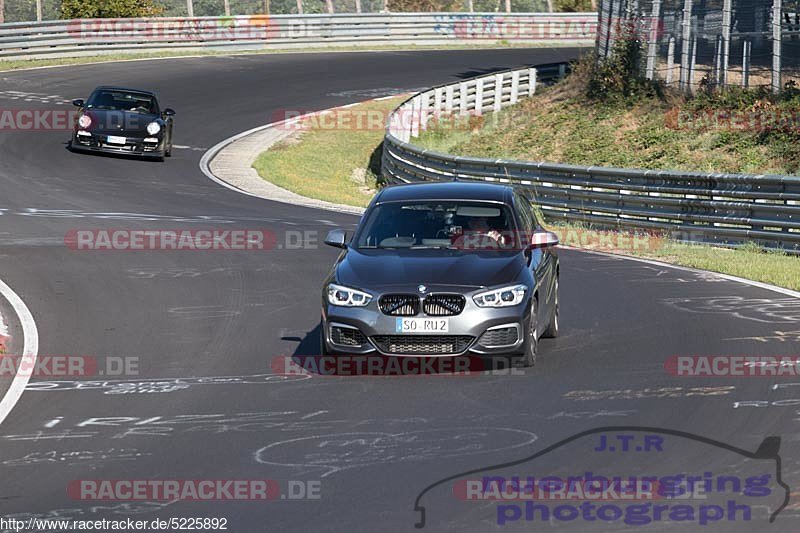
(30, 350)
(728, 277)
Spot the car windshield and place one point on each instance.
(434, 225)
(123, 101)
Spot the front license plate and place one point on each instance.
(115, 140)
(421, 325)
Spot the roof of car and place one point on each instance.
(128, 89)
(447, 190)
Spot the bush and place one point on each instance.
(621, 75)
(74, 9)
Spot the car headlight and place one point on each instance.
(84, 121)
(153, 128)
(503, 297)
(347, 297)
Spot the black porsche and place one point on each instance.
(126, 121)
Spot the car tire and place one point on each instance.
(528, 358)
(552, 326)
(168, 151)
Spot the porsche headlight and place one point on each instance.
(153, 128)
(503, 297)
(84, 121)
(347, 297)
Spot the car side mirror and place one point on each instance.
(77, 103)
(169, 112)
(543, 239)
(337, 238)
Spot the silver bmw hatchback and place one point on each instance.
(441, 270)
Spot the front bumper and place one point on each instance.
(139, 146)
(484, 331)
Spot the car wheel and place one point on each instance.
(528, 358)
(552, 327)
(168, 151)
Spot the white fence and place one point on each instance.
(97, 36)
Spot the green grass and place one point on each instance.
(335, 164)
(748, 261)
(562, 125)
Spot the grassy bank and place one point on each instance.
(336, 160)
(731, 132)
(329, 164)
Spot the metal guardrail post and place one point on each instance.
(727, 7)
(777, 44)
(685, 43)
(515, 86)
(463, 90)
(531, 81)
(479, 96)
(498, 91)
(652, 40)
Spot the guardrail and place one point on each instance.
(97, 36)
(716, 208)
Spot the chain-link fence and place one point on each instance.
(692, 43)
(32, 10)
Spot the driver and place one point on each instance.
(478, 230)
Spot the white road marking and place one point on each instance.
(728, 277)
(30, 350)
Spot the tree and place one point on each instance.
(73, 9)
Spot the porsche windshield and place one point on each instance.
(452, 225)
(123, 101)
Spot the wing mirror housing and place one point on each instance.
(169, 112)
(543, 239)
(337, 238)
(77, 103)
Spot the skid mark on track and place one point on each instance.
(154, 386)
(203, 312)
(766, 310)
(32, 97)
(77, 457)
(648, 393)
(332, 453)
(777, 336)
(290, 424)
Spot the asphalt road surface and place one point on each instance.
(368, 446)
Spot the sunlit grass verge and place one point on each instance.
(321, 164)
(749, 261)
(337, 160)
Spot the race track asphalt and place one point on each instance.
(373, 444)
